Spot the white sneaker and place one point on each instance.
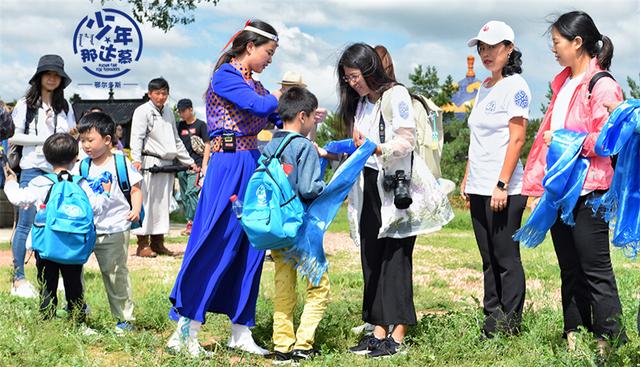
(24, 290)
(173, 344)
(184, 340)
(242, 339)
(196, 350)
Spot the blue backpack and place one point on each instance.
(123, 181)
(272, 211)
(63, 230)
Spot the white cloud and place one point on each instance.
(310, 55)
(313, 33)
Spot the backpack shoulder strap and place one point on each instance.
(123, 176)
(54, 179)
(385, 103)
(51, 176)
(421, 101)
(284, 143)
(597, 76)
(85, 164)
(76, 179)
(31, 113)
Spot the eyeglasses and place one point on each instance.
(351, 78)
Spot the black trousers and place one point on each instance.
(504, 280)
(387, 265)
(589, 291)
(48, 272)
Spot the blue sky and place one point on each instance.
(312, 33)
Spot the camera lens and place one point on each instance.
(402, 198)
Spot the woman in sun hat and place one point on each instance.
(42, 112)
(492, 183)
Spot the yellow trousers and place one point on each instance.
(284, 338)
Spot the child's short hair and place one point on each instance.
(295, 100)
(60, 149)
(158, 84)
(100, 121)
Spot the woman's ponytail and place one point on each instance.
(605, 54)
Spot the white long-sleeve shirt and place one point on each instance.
(154, 132)
(36, 192)
(39, 131)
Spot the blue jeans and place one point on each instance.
(25, 221)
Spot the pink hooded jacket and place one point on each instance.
(584, 115)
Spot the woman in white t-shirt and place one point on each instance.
(493, 179)
(41, 113)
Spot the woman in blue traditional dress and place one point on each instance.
(220, 272)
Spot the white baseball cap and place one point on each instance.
(493, 33)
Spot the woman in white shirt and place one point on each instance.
(386, 249)
(41, 113)
(493, 179)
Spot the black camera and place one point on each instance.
(399, 183)
(7, 128)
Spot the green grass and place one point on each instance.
(447, 290)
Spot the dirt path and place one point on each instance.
(334, 242)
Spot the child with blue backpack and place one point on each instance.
(299, 159)
(97, 134)
(63, 233)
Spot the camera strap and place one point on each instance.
(382, 134)
(381, 129)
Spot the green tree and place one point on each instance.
(447, 90)
(165, 14)
(425, 82)
(532, 130)
(545, 105)
(331, 129)
(634, 88)
(456, 150)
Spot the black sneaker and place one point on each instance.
(368, 343)
(303, 355)
(282, 358)
(386, 348)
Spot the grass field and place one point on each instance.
(448, 293)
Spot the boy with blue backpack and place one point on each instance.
(63, 234)
(97, 133)
(299, 159)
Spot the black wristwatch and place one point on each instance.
(501, 185)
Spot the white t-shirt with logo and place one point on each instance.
(113, 218)
(367, 119)
(489, 134)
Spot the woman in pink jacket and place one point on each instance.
(589, 292)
